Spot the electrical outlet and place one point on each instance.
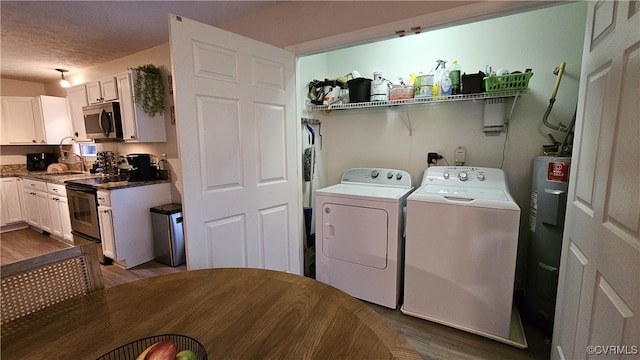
(460, 155)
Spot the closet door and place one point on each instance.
(238, 137)
(598, 306)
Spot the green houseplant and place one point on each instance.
(149, 89)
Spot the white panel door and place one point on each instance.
(237, 137)
(598, 306)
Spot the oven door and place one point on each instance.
(83, 210)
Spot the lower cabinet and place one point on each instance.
(106, 231)
(11, 209)
(37, 204)
(125, 222)
(44, 206)
(59, 211)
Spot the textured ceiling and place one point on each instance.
(39, 36)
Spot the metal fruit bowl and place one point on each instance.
(131, 350)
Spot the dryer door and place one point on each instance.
(355, 234)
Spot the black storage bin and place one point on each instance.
(472, 83)
(168, 235)
(359, 90)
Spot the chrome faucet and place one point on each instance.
(64, 153)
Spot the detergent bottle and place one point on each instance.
(454, 74)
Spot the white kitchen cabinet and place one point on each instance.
(106, 232)
(138, 126)
(105, 219)
(10, 201)
(125, 222)
(65, 219)
(59, 210)
(53, 114)
(37, 204)
(31, 207)
(102, 90)
(34, 120)
(23, 206)
(77, 98)
(19, 124)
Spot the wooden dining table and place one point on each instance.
(236, 313)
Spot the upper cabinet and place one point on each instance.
(18, 121)
(34, 120)
(102, 90)
(137, 125)
(77, 98)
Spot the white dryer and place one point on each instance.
(359, 234)
(461, 246)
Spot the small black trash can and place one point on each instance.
(168, 238)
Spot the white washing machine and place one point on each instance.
(461, 247)
(359, 234)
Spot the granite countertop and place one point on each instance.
(63, 177)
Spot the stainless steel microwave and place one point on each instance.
(103, 121)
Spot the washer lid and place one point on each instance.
(463, 192)
(456, 195)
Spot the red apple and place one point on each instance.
(164, 350)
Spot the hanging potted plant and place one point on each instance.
(149, 89)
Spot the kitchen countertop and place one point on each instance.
(63, 177)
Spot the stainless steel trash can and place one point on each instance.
(168, 238)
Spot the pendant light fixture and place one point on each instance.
(63, 82)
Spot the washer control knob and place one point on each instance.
(398, 176)
(462, 176)
(481, 177)
(389, 175)
(446, 175)
(374, 174)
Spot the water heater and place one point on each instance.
(546, 224)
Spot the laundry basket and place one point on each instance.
(519, 81)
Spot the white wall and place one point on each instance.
(159, 56)
(9, 87)
(539, 39)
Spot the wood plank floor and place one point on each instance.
(431, 340)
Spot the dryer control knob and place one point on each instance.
(463, 176)
(481, 177)
(389, 175)
(374, 174)
(398, 176)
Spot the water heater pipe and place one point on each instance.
(560, 127)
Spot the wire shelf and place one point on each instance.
(417, 101)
